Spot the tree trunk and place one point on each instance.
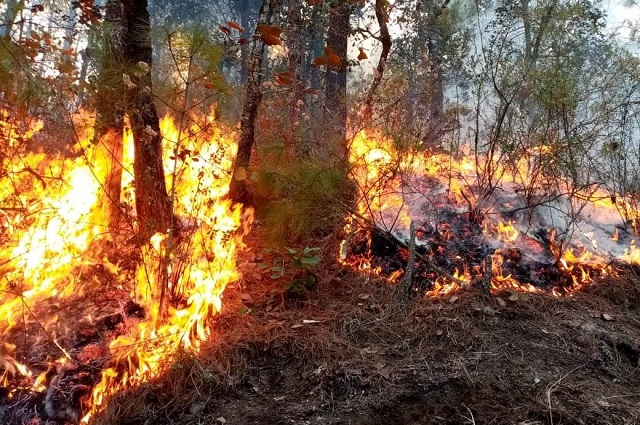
(153, 206)
(435, 81)
(109, 107)
(384, 38)
(295, 55)
(335, 111)
(13, 7)
(239, 189)
(435, 95)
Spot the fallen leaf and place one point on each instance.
(501, 302)
(607, 316)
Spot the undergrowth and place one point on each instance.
(300, 202)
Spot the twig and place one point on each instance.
(486, 282)
(553, 386)
(408, 278)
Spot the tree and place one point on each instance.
(264, 34)
(335, 107)
(382, 17)
(153, 207)
(110, 107)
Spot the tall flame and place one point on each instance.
(61, 215)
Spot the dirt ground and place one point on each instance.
(352, 351)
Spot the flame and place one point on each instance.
(390, 196)
(59, 214)
(198, 171)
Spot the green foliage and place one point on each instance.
(189, 75)
(299, 264)
(300, 201)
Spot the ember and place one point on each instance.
(520, 243)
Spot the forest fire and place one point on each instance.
(474, 231)
(59, 230)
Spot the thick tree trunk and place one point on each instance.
(238, 189)
(109, 107)
(153, 206)
(335, 110)
(385, 39)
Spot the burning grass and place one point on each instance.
(85, 349)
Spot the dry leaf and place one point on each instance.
(272, 30)
(607, 316)
(235, 26)
(362, 56)
(271, 40)
(319, 61)
(334, 60)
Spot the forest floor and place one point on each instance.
(352, 351)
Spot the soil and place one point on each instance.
(354, 351)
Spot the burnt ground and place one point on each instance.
(354, 351)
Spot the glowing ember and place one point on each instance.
(447, 194)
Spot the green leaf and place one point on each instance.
(310, 261)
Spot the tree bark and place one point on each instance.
(153, 206)
(435, 95)
(109, 107)
(435, 82)
(13, 7)
(385, 39)
(335, 111)
(239, 189)
(295, 44)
